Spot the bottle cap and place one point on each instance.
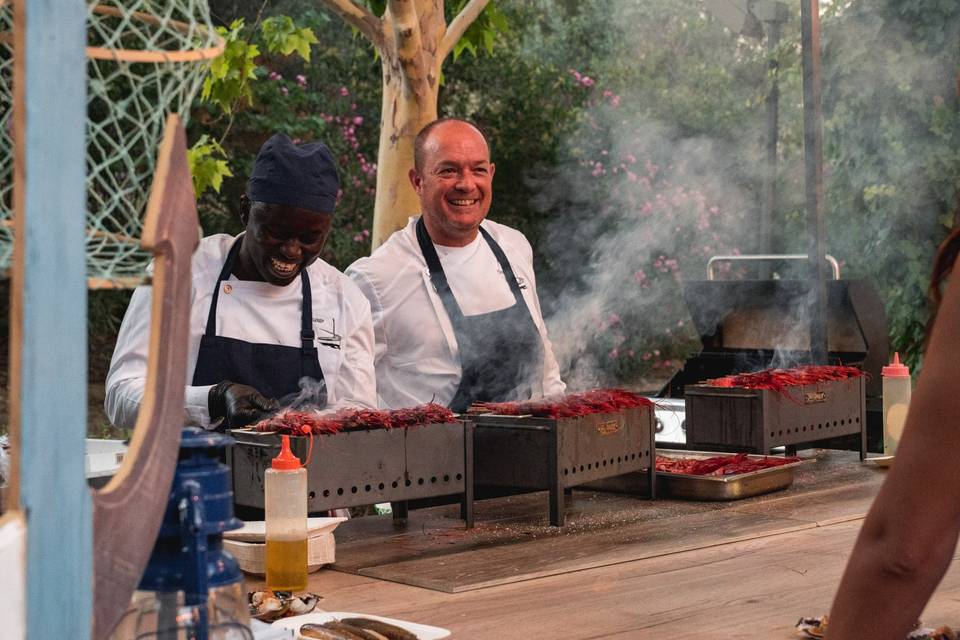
(286, 461)
(895, 369)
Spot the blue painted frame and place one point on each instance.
(53, 376)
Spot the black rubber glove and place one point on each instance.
(238, 404)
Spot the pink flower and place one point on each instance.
(614, 352)
(301, 80)
(284, 90)
(358, 120)
(344, 92)
(273, 75)
(587, 81)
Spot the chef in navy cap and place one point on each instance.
(272, 325)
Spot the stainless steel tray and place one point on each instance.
(732, 487)
(707, 488)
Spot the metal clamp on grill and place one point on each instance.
(751, 325)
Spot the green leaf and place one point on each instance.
(208, 165)
(281, 35)
(226, 84)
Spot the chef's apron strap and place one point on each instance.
(306, 314)
(437, 276)
(224, 275)
(504, 264)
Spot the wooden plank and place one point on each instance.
(750, 590)
(492, 566)
(836, 487)
(48, 334)
(818, 507)
(367, 542)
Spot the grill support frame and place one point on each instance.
(759, 420)
(356, 468)
(515, 454)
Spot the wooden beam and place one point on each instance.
(48, 332)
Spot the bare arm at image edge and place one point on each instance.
(910, 533)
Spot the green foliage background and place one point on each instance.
(564, 85)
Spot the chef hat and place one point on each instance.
(302, 176)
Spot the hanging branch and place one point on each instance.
(360, 18)
(459, 25)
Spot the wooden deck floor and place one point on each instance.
(685, 571)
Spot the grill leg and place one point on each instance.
(652, 468)
(556, 489)
(399, 510)
(863, 438)
(466, 503)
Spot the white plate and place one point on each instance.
(423, 632)
(879, 461)
(255, 530)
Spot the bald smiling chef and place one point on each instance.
(266, 312)
(453, 295)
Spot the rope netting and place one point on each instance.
(146, 58)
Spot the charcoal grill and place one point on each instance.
(758, 420)
(750, 325)
(514, 454)
(356, 468)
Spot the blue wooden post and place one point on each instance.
(49, 326)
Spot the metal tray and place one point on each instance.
(707, 488)
(732, 487)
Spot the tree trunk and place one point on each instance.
(412, 39)
(410, 93)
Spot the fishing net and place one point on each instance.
(146, 58)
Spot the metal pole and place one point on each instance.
(769, 203)
(813, 178)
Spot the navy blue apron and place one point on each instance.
(501, 353)
(273, 370)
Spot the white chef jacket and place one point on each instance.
(256, 312)
(417, 359)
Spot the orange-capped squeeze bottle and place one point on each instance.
(285, 507)
(896, 401)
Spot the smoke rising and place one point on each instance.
(652, 189)
(636, 217)
(312, 396)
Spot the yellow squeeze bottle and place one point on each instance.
(896, 401)
(285, 513)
